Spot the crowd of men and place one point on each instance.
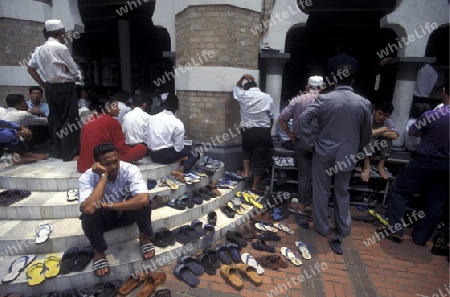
(118, 130)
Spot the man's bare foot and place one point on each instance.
(382, 172)
(178, 175)
(37, 156)
(22, 160)
(99, 256)
(147, 248)
(365, 175)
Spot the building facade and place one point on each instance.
(200, 48)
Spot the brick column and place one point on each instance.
(215, 47)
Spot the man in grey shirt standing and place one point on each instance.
(344, 129)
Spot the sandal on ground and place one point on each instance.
(147, 248)
(250, 273)
(17, 266)
(284, 228)
(110, 288)
(99, 265)
(291, 256)
(72, 195)
(35, 274)
(303, 249)
(162, 291)
(249, 260)
(185, 274)
(335, 245)
(131, 283)
(232, 276)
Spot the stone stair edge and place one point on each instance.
(119, 270)
(61, 239)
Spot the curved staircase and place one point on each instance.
(49, 182)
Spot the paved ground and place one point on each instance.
(382, 269)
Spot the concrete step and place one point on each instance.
(123, 257)
(55, 175)
(19, 235)
(54, 205)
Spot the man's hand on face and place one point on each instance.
(99, 169)
(25, 133)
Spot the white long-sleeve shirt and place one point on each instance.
(164, 131)
(256, 107)
(53, 62)
(135, 126)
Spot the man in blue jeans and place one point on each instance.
(428, 169)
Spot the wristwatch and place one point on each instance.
(104, 176)
(111, 205)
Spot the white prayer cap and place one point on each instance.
(164, 97)
(315, 81)
(53, 25)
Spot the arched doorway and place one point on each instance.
(341, 23)
(97, 51)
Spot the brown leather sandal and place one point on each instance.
(132, 283)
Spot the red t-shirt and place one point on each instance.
(102, 129)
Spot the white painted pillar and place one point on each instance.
(407, 69)
(274, 64)
(125, 58)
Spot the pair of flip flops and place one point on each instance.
(303, 249)
(76, 259)
(17, 266)
(284, 227)
(226, 183)
(251, 261)
(169, 182)
(39, 271)
(42, 232)
(265, 227)
(291, 255)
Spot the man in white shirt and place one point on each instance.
(165, 139)
(256, 122)
(53, 68)
(17, 112)
(135, 122)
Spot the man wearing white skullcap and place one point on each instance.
(53, 68)
(302, 152)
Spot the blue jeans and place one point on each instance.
(421, 173)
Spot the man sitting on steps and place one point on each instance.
(113, 194)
